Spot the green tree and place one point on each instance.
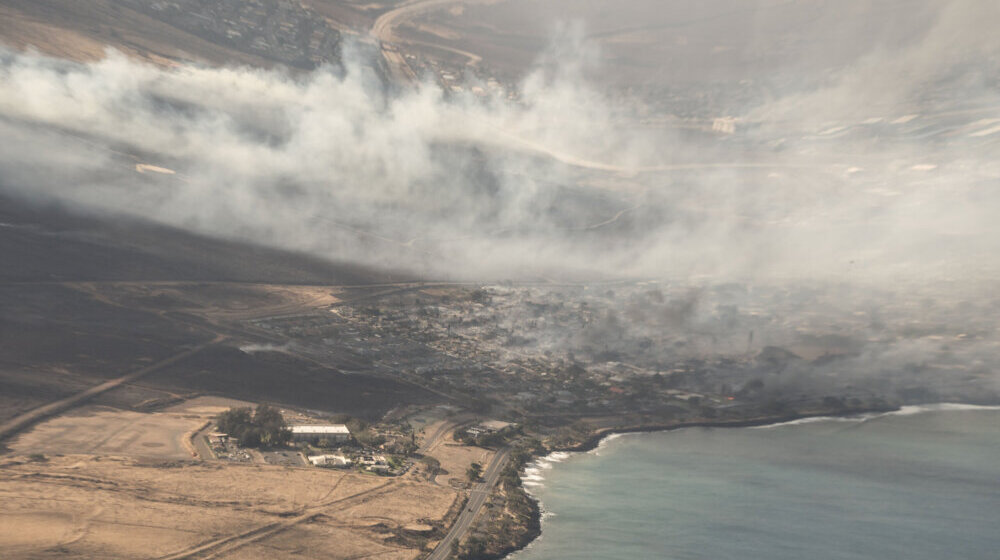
(234, 420)
(265, 427)
(433, 465)
(272, 426)
(474, 471)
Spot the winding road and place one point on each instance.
(382, 28)
(382, 32)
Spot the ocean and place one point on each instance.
(922, 483)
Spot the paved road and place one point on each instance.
(23, 421)
(477, 497)
(201, 446)
(382, 28)
(382, 31)
(430, 440)
(445, 427)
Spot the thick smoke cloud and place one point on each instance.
(876, 175)
(957, 53)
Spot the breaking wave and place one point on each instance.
(903, 411)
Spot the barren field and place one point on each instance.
(116, 507)
(107, 431)
(219, 301)
(112, 477)
(103, 430)
(455, 458)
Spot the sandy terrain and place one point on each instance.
(101, 482)
(455, 458)
(437, 441)
(21, 31)
(106, 431)
(115, 507)
(103, 430)
(215, 300)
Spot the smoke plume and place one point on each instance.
(885, 171)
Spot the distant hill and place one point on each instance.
(44, 242)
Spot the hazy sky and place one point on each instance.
(885, 170)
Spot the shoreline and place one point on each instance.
(595, 439)
(598, 436)
(533, 525)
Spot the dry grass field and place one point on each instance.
(455, 458)
(101, 482)
(102, 430)
(119, 507)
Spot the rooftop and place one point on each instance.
(495, 425)
(324, 429)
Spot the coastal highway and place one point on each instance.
(477, 497)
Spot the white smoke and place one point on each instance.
(557, 181)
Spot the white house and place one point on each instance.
(329, 460)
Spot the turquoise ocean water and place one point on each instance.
(919, 484)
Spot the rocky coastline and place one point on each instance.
(532, 527)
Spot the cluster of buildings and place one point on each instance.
(329, 460)
(604, 350)
(308, 437)
(371, 462)
(279, 30)
(489, 427)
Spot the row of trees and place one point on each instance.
(264, 427)
(489, 439)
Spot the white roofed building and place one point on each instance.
(330, 432)
(329, 460)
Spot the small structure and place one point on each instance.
(489, 427)
(330, 432)
(372, 460)
(329, 460)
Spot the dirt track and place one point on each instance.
(108, 507)
(31, 417)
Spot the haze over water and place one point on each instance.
(917, 485)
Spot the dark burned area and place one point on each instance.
(69, 324)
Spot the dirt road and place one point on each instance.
(19, 423)
(216, 547)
